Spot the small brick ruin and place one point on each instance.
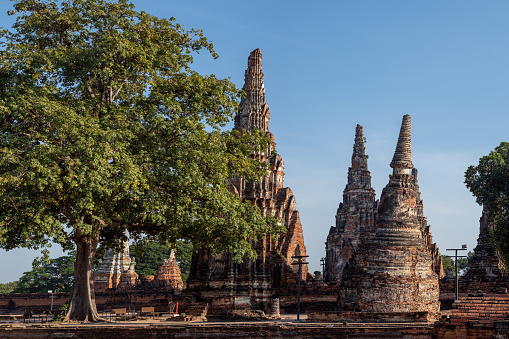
(169, 273)
(115, 264)
(486, 262)
(391, 269)
(117, 272)
(253, 284)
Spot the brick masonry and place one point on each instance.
(392, 269)
(253, 284)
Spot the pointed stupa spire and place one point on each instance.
(359, 157)
(254, 110)
(402, 160)
(359, 178)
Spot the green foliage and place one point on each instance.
(463, 263)
(8, 287)
(183, 256)
(150, 257)
(56, 275)
(105, 127)
(489, 183)
(448, 263)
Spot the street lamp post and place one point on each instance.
(322, 263)
(456, 256)
(51, 293)
(300, 263)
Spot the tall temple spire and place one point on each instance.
(355, 215)
(358, 175)
(402, 160)
(254, 110)
(359, 158)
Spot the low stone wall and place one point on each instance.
(371, 317)
(16, 302)
(225, 330)
(469, 286)
(482, 316)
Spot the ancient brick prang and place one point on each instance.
(169, 273)
(252, 284)
(108, 274)
(254, 112)
(355, 216)
(486, 262)
(392, 270)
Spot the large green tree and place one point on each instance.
(489, 183)
(55, 275)
(105, 127)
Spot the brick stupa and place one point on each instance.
(253, 284)
(169, 273)
(355, 216)
(391, 275)
(486, 262)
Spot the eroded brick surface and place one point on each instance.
(108, 274)
(252, 284)
(392, 268)
(476, 316)
(486, 262)
(355, 216)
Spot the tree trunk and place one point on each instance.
(82, 300)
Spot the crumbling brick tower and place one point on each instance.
(486, 262)
(392, 270)
(436, 258)
(355, 215)
(252, 284)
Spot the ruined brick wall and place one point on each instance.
(16, 302)
(227, 330)
(475, 316)
(488, 286)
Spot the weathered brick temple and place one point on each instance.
(355, 216)
(252, 284)
(384, 264)
(381, 263)
(109, 273)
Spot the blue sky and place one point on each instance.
(336, 64)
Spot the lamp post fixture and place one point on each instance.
(300, 263)
(456, 256)
(51, 293)
(322, 263)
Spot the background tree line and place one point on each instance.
(57, 274)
